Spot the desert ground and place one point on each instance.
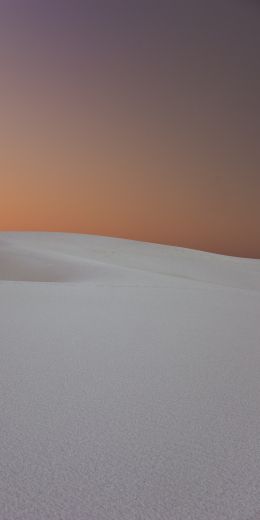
(129, 381)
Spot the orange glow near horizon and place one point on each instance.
(109, 127)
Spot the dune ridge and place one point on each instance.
(63, 257)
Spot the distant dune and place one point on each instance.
(129, 381)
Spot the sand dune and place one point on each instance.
(62, 257)
(20, 263)
(129, 381)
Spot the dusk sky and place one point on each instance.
(133, 118)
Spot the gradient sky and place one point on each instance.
(132, 118)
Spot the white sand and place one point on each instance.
(129, 381)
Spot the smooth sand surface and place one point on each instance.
(129, 381)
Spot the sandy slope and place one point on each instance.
(129, 381)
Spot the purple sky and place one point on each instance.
(138, 119)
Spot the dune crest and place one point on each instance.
(64, 257)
